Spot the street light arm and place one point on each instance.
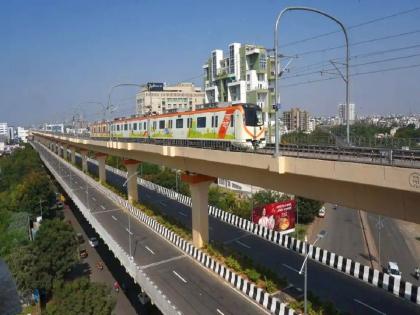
(126, 181)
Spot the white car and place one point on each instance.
(93, 241)
(393, 270)
(321, 212)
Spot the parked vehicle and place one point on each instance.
(93, 241)
(393, 270)
(321, 212)
(417, 273)
(83, 253)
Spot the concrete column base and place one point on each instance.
(65, 148)
(132, 191)
(101, 157)
(199, 186)
(73, 155)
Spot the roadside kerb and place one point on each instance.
(339, 263)
(244, 286)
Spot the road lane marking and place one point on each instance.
(163, 204)
(147, 247)
(243, 244)
(182, 213)
(81, 187)
(291, 268)
(114, 218)
(370, 307)
(179, 276)
(162, 261)
(93, 198)
(131, 233)
(220, 312)
(103, 208)
(105, 211)
(236, 238)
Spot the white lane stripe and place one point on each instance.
(163, 204)
(81, 187)
(243, 244)
(147, 247)
(103, 208)
(114, 218)
(131, 233)
(179, 276)
(93, 198)
(291, 268)
(220, 312)
(182, 213)
(370, 307)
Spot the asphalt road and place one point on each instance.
(192, 288)
(348, 294)
(393, 247)
(344, 233)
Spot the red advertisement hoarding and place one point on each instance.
(279, 216)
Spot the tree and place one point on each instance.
(33, 189)
(22, 262)
(307, 209)
(81, 297)
(264, 197)
(56, 248)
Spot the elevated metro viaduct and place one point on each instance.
(386, 190)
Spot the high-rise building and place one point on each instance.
(3, 129)
(158, 98)
(342, 113)
(244, 75)
(22, 134)
(296, 120)
(11, 133)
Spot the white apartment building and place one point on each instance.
(244, 75)
(342, 113)
(3, 129)
(22, 134)
(159, 99)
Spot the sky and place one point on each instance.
(56, 56)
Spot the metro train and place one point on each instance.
(239, 125)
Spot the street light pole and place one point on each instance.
(304, 269)
(277, 74)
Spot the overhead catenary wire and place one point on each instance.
(353, 75)
(397, 14)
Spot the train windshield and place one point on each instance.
(253, 116)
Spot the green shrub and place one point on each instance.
(252, 274)
(232, 263)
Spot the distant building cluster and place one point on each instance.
(342, 114)
(10, 137)
(297, 120)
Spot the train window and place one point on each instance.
(154, 125)
(201, 122)
(232, 120)
(253, 116)
(161, 124)
(214, 121)
(179, 123)
(118, 127)
(170, 122)
(135, 126)
(125, 127)
(144, 126)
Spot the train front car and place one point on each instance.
(254, 130)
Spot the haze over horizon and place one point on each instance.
(57, 55)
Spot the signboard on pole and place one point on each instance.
(278, 216)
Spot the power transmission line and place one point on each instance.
(353, 75)
(353, 26)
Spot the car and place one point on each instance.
(335, 206)
(83, 253)
(393, 270)
(93, 241)
(321, 212)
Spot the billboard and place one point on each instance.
(154, 86)
(278, 216)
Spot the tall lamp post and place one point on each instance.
(109, 105)
(276, 88)
(304, 269)
(129, 220)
